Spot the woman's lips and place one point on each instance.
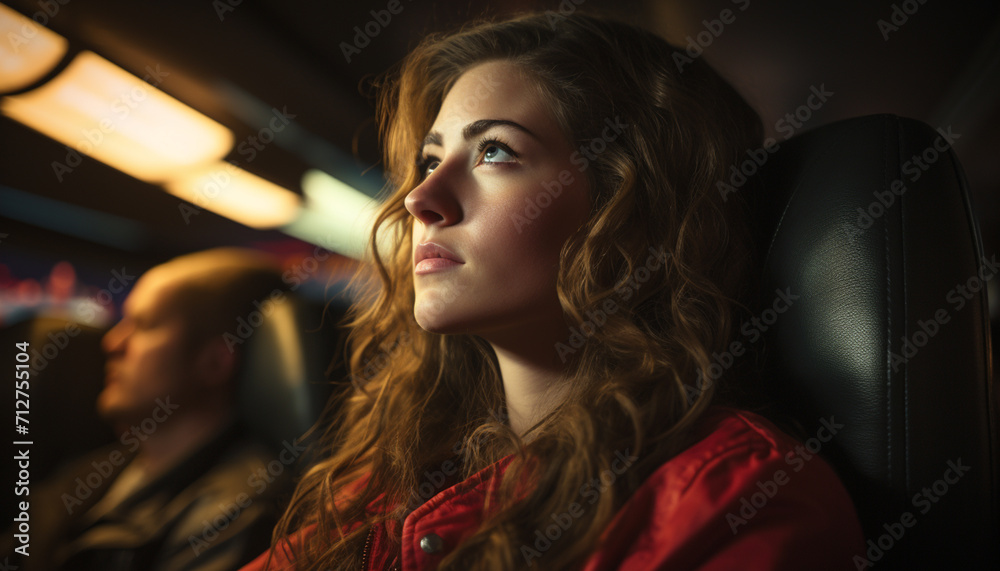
(431, 257)
(431, 265)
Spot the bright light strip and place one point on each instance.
(103, 111)
(27, 51)
(100, 110)
(337, 216)
(232, 192)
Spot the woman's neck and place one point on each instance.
(533, 374)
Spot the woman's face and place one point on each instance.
(499, 198)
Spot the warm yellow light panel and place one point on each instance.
(27, 50)
(113, 116)
(236, 194)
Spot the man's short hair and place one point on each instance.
(214, 289)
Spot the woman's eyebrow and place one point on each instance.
(475, 128)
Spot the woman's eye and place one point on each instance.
(497, 154)
(428, 167)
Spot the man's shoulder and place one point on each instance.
(242, 463)
(246, 473)
(230, 510)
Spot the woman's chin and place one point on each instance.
(438, 324)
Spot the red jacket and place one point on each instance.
(746, 496)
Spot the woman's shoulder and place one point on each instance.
(724, 431)
(744, 495)
(740, 450)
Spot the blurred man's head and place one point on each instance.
(170, 344)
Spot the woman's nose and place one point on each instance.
(434, 201)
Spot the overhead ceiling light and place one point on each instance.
(103, 111)
(28, 51)
(232, 192)
(336, 216)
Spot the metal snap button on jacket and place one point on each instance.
(431, 543)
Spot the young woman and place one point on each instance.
(532, 383)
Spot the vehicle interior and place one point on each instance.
(877, 203)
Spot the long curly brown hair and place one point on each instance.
(419, 400)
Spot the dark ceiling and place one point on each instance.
(232, 58)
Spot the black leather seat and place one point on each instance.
(283, 381)
(868, 221)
